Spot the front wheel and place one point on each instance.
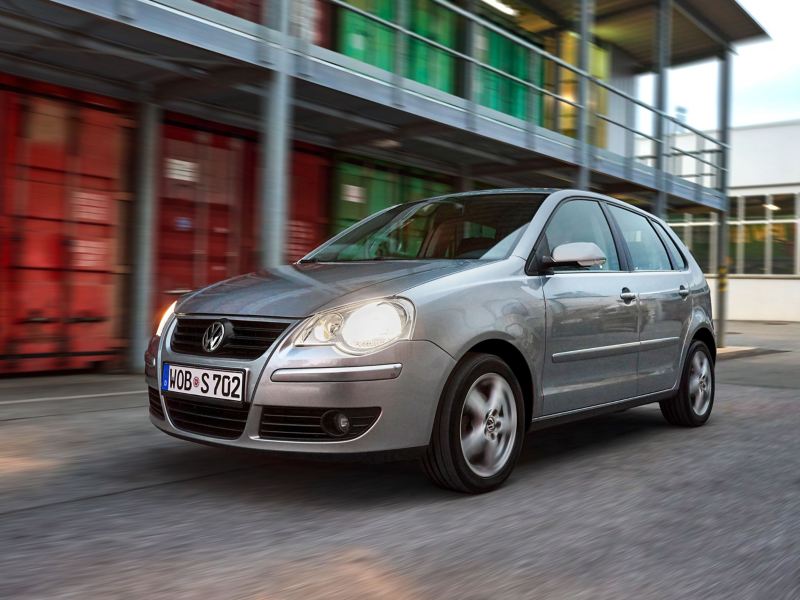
(479, 428)
(691, 406)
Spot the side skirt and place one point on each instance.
(601, 409)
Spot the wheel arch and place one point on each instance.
(705, 335)
(515, 360)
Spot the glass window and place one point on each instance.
(781, 207)
(754, 208)
(647, 251)
(478, 227)
(754, 245)
(701, 246)
(783, 245)
(582, 221)
(735, 237)
(675, 254)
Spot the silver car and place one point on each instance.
(444, 329)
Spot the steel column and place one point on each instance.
(723, 114)
(147, 151)
(275, 140)
(584, 112)
(663, 51)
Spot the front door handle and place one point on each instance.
(683, 291)
(627, 295)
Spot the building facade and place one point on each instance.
(764, 224)
(149, 147)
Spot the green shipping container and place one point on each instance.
(426, 63)
(365, 39)
(503, 93)
(362, 190)
(371, 42)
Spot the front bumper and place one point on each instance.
(404, 380)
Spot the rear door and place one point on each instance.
(661, 280)
(592, 316)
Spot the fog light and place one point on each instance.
(335, 423)
(342, 422)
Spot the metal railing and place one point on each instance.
(628, 127)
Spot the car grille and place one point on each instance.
(250, 339)
(155, 403)
(220, 420)
(305, 424)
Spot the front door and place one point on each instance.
(592, 317)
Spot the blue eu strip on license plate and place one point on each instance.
(165, 378)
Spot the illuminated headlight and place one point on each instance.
(165, 318)
(360, 328)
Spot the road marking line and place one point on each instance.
(57, 398)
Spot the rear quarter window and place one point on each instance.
(675, 254)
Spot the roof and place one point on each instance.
(700, 28)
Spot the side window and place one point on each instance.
(647, 251)
(582, 221)
(678, 259)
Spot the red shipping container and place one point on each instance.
(205, 187)
(308, 224)
(208, 217)
(61, 168)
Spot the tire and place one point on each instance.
(479, 427)
(691, 406)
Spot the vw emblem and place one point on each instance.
(214, 336)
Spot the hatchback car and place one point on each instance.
(445, 329)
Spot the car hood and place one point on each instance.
(299, 290)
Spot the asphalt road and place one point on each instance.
(96, 503)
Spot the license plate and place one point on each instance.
(207, 383)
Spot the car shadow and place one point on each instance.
(598, 433)
(354, 486)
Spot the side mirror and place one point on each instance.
(575, 254)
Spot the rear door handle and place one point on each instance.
(627, 295)
(683, 291)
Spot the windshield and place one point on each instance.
(478, 227)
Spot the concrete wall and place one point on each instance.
(761, 298)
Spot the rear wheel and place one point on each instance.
(691, 406)
(479, 428)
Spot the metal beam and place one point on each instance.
(343, 115)
(548, 14)
(147, 153)
(74, 39)
(702, 24)
(584, 150)
(494, 168)
(404, 132)
(663, 37)
(625, 11)
(465, 149)
(724, 126)
(205, 81)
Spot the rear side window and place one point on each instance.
(647, 251)
(678, 260)
(582, 221)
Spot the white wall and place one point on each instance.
(760, 299)
(765, 155)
